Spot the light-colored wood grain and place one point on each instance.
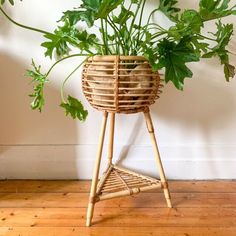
(63, 186)
(118, 217)
(96, 170)
(160, 167)
(111, 138)
(58, 208)
(142, 200)
(121, 231)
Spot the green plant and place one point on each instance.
(123, 31)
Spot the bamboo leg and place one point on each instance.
(111, 138)
(157, 157)
(96, 171)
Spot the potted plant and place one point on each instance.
(120, 71)
(126, 52)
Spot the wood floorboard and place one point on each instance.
(133, 217)
(14, 200)
(43, 208)
(122, 231)
(62, 186)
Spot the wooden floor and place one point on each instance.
(43, 208)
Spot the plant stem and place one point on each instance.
(117, 32)
(100, 44)
(103, 36)
(142, 2)
(155, 24)
(68, 77)
(144, 28)
(140, 19)
(128, 39)
(158, 34)
(117, 46)
(232, 7)
(65, 58)
(106, 33)
(149, 18)
(135, 15)
(23, 26)
(205, 37)
(87, 50)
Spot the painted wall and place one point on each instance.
(196, 128)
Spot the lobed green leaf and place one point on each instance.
(190, 23)
(74, 108)
(222, 38)
(123, 17)
(214, 9)
(168, 7)
(39, 80)
(66, 36)
(91, 10)
(174, 56)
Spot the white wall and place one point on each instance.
(196, 128)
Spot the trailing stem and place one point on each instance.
(23, 26)
(68, 77)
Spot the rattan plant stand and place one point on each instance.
(121, 84)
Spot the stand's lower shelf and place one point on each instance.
(117, 182)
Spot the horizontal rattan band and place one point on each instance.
(123, 84)
(114, 58)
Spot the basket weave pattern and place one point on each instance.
(117, 182)
(121, 84)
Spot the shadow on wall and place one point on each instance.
(207, 101)
(206, 105)
(32, 144)
(5, 25)
(204, 109)
(203, 103)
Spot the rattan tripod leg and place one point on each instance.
(111, 138)
(157, 157)
(96, 171)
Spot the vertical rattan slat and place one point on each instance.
(120, 84)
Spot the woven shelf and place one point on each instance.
(117, 182)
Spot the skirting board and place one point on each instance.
(76, 161)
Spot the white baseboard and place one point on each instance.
(76, 161)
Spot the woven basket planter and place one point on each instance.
(122, 84)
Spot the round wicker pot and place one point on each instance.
(122, 84)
